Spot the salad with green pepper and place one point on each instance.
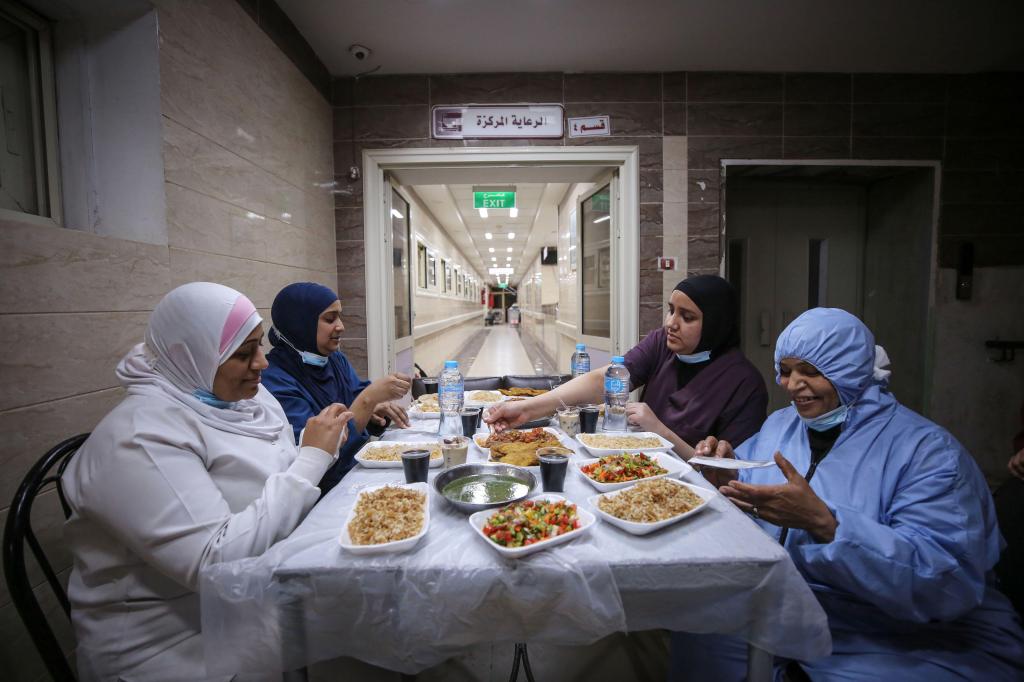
(528, 522)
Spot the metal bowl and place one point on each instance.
(463, 470)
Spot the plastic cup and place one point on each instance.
(416, 463)
(553, 464)
(470, 421)
(588, 419)
(569, 421)
(454, 450)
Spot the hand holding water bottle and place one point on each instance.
(616, 395)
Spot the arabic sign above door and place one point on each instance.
(590, 126)
(498, 121)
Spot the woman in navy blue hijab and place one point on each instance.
(308, 371)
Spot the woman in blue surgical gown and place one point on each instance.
(883, 512)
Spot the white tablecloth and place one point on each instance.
(307, 599)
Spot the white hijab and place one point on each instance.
(191, 332)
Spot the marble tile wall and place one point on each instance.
(248, 163)
(971, 123)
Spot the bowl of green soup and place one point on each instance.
(472, 487)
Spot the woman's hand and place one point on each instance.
(720, 449)
(508, 415)
(640, 414)
(391, 387)
(1016, 464)
(393, 411)
(329, 429)
(790, 505)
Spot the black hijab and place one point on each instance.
(720, 331)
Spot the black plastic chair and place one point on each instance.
(17, 533)
(534, 380)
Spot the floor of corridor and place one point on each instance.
(502, 353)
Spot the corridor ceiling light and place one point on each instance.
(509, 249)
(602, 219)
(483, 212)
(511, 235)
(488, 235)
(513, 212)
(491, 249)
(395, 212)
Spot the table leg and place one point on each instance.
(759, 664)
(524, 657)
(300, 675)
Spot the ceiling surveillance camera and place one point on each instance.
(360, 52)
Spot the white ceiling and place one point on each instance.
(467, 36)
(452, 206)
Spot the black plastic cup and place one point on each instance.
(588, 419)
(429, 385)
(470, 421)
(553, 465)
(416, 463)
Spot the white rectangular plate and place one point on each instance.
(415, 412)
(644, 528)
(468, 401)
(730, 463)
(675, 467)
(388, 547)
(478, 520)
(397, 464)
(598, 452)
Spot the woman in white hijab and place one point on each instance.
(196, 466)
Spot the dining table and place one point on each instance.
(307, 599)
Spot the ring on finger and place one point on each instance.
(754, 512)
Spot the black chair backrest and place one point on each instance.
(533, 380)
(17, 533)
(482, 383)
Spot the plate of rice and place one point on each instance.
(614, 442)
(387, 519)
(381, 454)
(647, 506)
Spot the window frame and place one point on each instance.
(43, 93)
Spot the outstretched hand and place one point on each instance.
(792, 504)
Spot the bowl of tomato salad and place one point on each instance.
(613, 472)
(531, 525)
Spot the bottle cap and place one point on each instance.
(581, 346)
(618, 359)
(450, 364)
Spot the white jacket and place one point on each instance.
(157, 495)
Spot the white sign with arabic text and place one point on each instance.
(497, 121)
(590, 126)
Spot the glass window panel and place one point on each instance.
(400, 261)
(595, 244)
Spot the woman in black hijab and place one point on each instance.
(696, 382)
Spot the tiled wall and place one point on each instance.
(247, 140)
(684, 123)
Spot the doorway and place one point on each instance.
(387, 351)
(857, 237)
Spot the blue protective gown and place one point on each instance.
(907, 581)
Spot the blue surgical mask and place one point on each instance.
(824, 422)
(313, 358)
(308, 357)
(210, 399)
(695, 358)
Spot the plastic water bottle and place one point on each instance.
(451, 393)
(616, 395)
(580, 363)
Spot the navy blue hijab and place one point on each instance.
(296, 314)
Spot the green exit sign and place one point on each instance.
(494, 199)
(502, 285)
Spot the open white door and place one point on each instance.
(401, 322)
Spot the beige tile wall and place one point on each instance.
(675, 212)
(247, 162)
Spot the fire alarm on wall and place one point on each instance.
(665, 264)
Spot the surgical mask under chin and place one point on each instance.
(695, 358)
(308, 357)
(205, 396)
(824, 422)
